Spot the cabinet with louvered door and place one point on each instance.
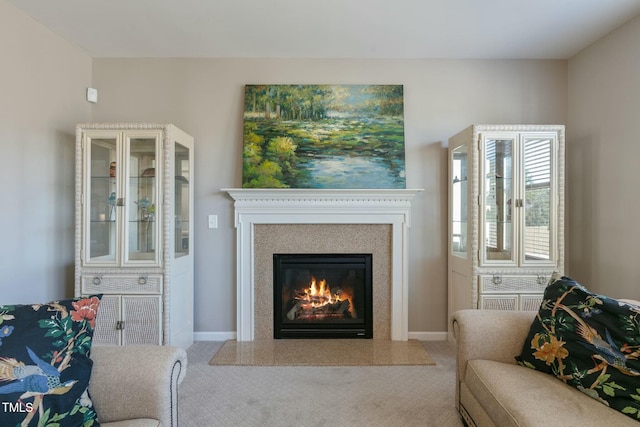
(131, 308)
(129, 319)
(141, 316)
(107, 331)
(134, 231)
(506, 215)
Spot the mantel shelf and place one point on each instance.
(257, 195)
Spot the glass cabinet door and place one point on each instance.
(121, 196)
(181, 200)
(519, 210)
(498, 190)
(100, 210)
(537, 238)
(142, 196)
(459, 200)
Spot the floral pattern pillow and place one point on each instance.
(590, 342)
(45, 363)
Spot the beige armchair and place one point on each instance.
(137, 386)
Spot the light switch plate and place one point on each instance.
(213, 221)
(92, 95)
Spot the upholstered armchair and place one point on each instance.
(137, 385)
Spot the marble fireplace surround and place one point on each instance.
(271, 221)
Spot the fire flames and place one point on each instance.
(318, 302)
(317, 296)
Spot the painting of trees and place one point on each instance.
(323, 136)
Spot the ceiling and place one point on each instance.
(536, 29)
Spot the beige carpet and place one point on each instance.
(321, 352)
(318, 396)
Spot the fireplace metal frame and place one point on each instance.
(325, 329)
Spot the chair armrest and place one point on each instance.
(489, 335)
(129, 382)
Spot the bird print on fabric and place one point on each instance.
(606, 351)
(45, 363)
(38, 379)
(590, 342)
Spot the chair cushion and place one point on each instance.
(45, 364)
(516, 396)
(589, 341)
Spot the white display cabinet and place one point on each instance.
(134, 231)
(506, 215)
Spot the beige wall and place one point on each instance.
(44, 80)
(204, 97)
(42, 84)
(603, 153)
(42, 96)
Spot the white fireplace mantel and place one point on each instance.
(322, 206)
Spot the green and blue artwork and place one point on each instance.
(323, 136)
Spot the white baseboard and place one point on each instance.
(223, 336)
(428, 336)
(214, 336)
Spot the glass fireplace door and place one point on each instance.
(322, 296)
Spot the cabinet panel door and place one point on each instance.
(183, 167)
(143, 177)
(530, 302)
(459, 201)
(101, 192)
(499, 302)
(142, 317)
(106, 332)
(538, 191)
(498, 244)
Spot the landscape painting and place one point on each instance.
(323, 136)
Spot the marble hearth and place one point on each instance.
(322, 221)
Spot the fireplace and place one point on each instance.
(322, 296)
(270, 221)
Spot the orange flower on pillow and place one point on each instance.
(85, 309)
(550, 350)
